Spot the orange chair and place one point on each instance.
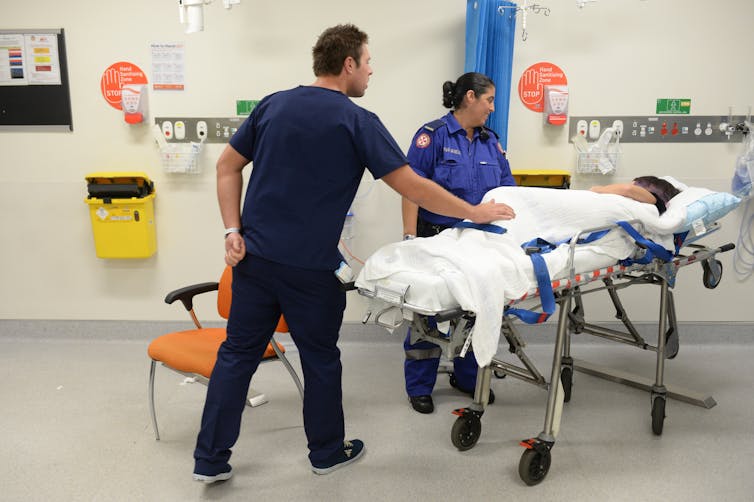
(193, 352)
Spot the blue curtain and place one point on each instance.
(490, 33)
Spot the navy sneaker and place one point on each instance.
(211, 478)
(352, 451)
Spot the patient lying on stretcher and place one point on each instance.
(483, 269)
(649, 189)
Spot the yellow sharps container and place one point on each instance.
(545, 178)
(121, 206)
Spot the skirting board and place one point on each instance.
(693, 333)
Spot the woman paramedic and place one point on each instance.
(459, 153)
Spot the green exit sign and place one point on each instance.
(673, 106)
(245, 106)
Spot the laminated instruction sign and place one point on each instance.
(29, 59)
(531, 85)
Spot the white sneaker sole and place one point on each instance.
(211, 479)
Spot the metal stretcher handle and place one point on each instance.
(727, 247)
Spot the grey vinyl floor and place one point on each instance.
(75, 425)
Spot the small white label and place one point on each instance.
(698, 226)
(102, 213)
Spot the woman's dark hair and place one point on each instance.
(452, 94)
(334, 45)
(661, 189)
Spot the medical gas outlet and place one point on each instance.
(198, 129)
(660, 128)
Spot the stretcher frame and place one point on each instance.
(536, 459)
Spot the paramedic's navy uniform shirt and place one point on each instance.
(468, 169)
(295, 204)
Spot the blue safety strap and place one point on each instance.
(545, 293)
(535, 248)
(487, 227)
(652, 248)
(678, 240)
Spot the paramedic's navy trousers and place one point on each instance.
(313, 305)
(421, 370)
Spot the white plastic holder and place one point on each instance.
(598, 162)
(181, 158)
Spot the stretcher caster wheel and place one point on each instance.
(566, 378)
(452, 380)
(499, 374)
(466, 429)
(534, 465)
(713, 273)
(658, 414)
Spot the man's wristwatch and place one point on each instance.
(408, 237)
(232, 230)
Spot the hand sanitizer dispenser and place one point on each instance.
(134, 102)
(556, 104)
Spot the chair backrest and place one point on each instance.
(224, 295)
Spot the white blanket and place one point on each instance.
(483, 271)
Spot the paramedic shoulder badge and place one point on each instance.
(423, 141)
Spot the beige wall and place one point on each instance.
(619, 56)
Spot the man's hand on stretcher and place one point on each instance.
(436, 199)
(487, 212)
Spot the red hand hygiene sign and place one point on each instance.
(115, 77)
(534, 79)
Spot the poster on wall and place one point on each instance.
(167, 66)
(29, 59)
(531, 85)
(12, 59)
(43, 60)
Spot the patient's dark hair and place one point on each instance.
(661, 189)
(452, 94)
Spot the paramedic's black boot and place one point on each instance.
(454, 384)
(422, 404)
(490, 399)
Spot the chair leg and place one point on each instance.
(288, 366)
(257, 399)
(151, 400)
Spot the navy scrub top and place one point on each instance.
(441, 152)
(309, 147)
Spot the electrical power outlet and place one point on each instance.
(618, 127)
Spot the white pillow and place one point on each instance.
(700, 204)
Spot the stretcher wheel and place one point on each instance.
(452, 380)
(713, 273)
(534, 466)
(499, 374)
(466, 431)
(566, 378)
(658, 415)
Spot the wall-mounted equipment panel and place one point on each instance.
(196, 129)
(664, 128)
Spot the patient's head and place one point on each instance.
(661, 189)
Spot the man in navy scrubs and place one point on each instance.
(309, 147)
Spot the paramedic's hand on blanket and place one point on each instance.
(235, 249)
(490, 211)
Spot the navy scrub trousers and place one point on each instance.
(313, 304)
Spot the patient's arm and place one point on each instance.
(627, 190)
